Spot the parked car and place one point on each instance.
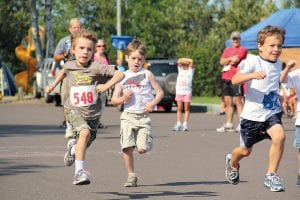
(165, 72)
(46, 73)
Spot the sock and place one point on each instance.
(79, 165)
(184, 123)
(132, 174)
(229, 124)
(178, 123)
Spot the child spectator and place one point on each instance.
(184, 92)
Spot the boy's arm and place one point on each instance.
(159, 94)
(118, 98)
(286, 70)
(241, 78)
(117, 77)
(58, 79)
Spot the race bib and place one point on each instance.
(83, 95)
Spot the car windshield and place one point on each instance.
(162, 69)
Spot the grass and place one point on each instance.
(206, 100)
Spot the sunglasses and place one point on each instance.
(101, 45)
(236, 38)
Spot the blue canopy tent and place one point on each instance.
(8, 83)
(289, 19)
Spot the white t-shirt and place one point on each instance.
(184, 81)
(293, 81)
(141, 87)
(262, 98)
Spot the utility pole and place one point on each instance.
(119, 32)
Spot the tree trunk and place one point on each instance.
(35, 31)
(49, 31)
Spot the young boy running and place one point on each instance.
(82, 106)
(261, 115)
(135, 92)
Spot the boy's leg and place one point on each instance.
(81, 144)
(277, 147)
(129, 164)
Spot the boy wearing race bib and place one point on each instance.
(261, 115)
(82, 106)
(135, 91)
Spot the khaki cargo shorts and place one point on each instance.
(78, 123)
(136, 131)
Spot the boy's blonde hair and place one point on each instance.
(84, 33)
(134, 45)
(270, 31)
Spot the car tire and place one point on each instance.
(170, 83)
(168, 107)
(36, 93)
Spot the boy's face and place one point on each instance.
(271, 49)
(83, 50)
(135, 61)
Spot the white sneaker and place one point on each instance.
(177, 127)
(185, 127)
(225, 128)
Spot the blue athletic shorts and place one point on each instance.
(253, 132)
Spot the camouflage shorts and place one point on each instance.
(78, 123)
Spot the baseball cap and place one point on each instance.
(235, 35)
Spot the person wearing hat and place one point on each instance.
(232, 94)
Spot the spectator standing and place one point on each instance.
(82, 106)
(101, 57)
(262, 112)
(61, 55)
(183, 97)
(135, 92)
(232, 94)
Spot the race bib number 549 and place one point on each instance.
(83, 95)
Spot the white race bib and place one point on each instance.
(83, 95)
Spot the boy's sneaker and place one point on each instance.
(82, 178)
(177, 127)
(232, 175)
(69, 158)
(185, 127)
(298, 181)
(274, 182)
(225, 128)
(131, 181)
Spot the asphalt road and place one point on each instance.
(183, 165)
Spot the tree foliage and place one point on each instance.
(170, 28)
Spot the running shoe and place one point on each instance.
(69, 158)
(274, 183)
(131, 180)
(177, 127)
(82, 178)
(185, 127)
(232, 175)
(225, 128)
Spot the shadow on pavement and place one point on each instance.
(16, 129)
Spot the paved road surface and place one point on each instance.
(187, 165)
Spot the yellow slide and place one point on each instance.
(23, 53)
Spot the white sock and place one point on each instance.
(79, 165)
(184, 124)
(229, 124)
(179, 123)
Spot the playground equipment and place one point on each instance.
(24, 53)
(120, 43)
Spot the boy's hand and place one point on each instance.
(49, 88)
(100, 88)
(148, 107)
(291, 64)
(259, 75)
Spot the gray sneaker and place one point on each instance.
(82, 178)
(225, 128)
(232, 176)
(69, 158)
(177, 127)
(274, 183)
(131, 181)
